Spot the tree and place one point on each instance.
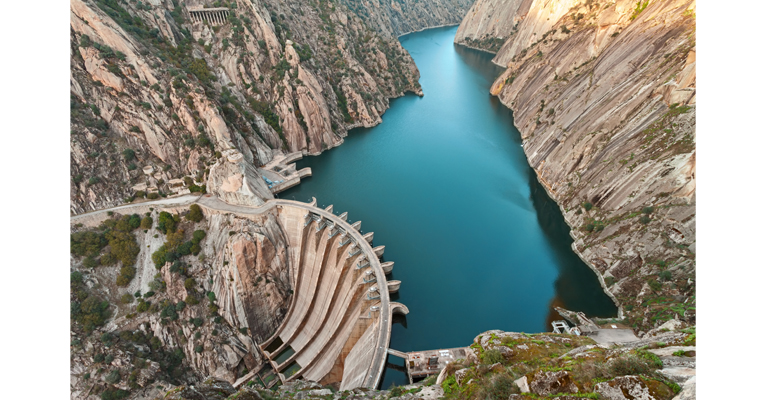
(146, 223)
(159, 257)
(195, 214)
(166, 222)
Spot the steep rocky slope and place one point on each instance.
(157, 95)
(177, 321)
(603, 93)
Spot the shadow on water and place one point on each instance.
(576, 284)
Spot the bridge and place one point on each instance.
(335, 329)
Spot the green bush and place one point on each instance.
(492, 356)
(166, 222)
(648, 210)
(159, 257)
(129, 154)
(588, 206)
(665, 275)
(198, 236)
(195, 214)
(113, 377)
(199, 349)
(142, 306)
(645, 219)
(127, 298)
(655, 285)
(146, 223)
(189, 283)
(114, 394)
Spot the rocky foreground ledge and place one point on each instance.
(520, 366)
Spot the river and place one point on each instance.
(444, 184)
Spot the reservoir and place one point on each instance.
(444, 184)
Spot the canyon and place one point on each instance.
(165, 103)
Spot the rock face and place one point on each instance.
(150, 87)
(603, 94)
(396, 18)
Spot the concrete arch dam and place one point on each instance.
(338, 325)
(337, 328)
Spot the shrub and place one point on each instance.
(665, 275)
(106, 338)
(492, 356)
(500, 386)
(198, 236)
(212, 297)
(181, 306)
(166, 222)
(195, 214)
(93, 180)
(655, 285)
(114, 394)
(197, 322)
(142, 306)
(191, 300)
(153, 195)
(189, 283)
(648, 210)
(146, 223)
(159, 257)
(127, 298)
(588, 206)
(199, 349)
(129, 154)
(185, 248)
(645, 219)
(113, 377)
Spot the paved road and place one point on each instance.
(213, 203)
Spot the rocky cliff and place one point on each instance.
(603, 93)
(159, 93)
(183, 318)
(395, 18)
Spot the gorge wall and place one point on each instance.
(157, 96)
(603, 93)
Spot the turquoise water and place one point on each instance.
(444, 184)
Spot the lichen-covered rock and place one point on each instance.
(624, 388)
(552, 382)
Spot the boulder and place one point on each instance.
(552, 382)
(624, 388)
